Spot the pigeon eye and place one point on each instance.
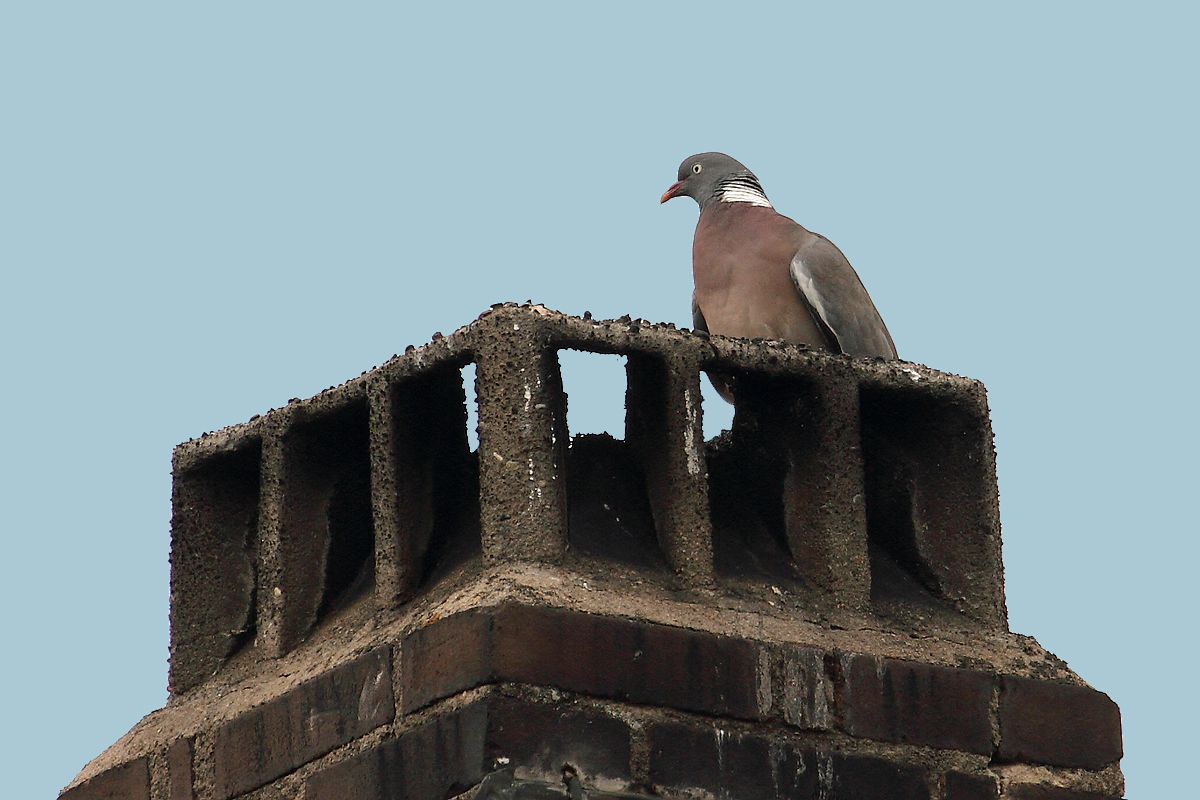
(696, 168)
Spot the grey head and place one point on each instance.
(708, 177)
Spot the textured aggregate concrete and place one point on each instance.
(855, 455)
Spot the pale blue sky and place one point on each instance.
(205, 211)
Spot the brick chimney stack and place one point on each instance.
(809, 606)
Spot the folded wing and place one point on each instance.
(839, 300)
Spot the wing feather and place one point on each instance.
(834, 291)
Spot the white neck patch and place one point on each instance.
(742, 189)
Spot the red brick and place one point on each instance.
(965, 786)
(129, 781)
(635, 661)
(439, 759)
(805, 698)
(689, 757)
(452, 753)
(444, 658)
(869, 778)
(920, 704)
(544, 737)
(303, 724)
(1058, 724)
(179, 769)
(376, 774)
(1035, 792)
(686, 757)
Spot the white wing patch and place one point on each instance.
(808, 288)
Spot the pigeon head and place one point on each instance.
(711, 177)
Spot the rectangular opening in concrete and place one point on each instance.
(609, 514)
(328, 534)
(595, 387)
(214, 551)
(437, 471)
(759, 487)
(718, 413)
(932, 517)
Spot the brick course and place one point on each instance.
(542, 737)
(302, 724)
(716, 760)
(1058, 724)
(127, 782)
(600, 656)
(872, 778)
(621, 659)
(444, 658)
(439, 759)
(964, 786)
(1037, 792)
(921, 704)
(749, 766)
(452, 753)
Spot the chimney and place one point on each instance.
(810, 605)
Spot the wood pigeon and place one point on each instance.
(760, 274)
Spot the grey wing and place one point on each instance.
(833, 290)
